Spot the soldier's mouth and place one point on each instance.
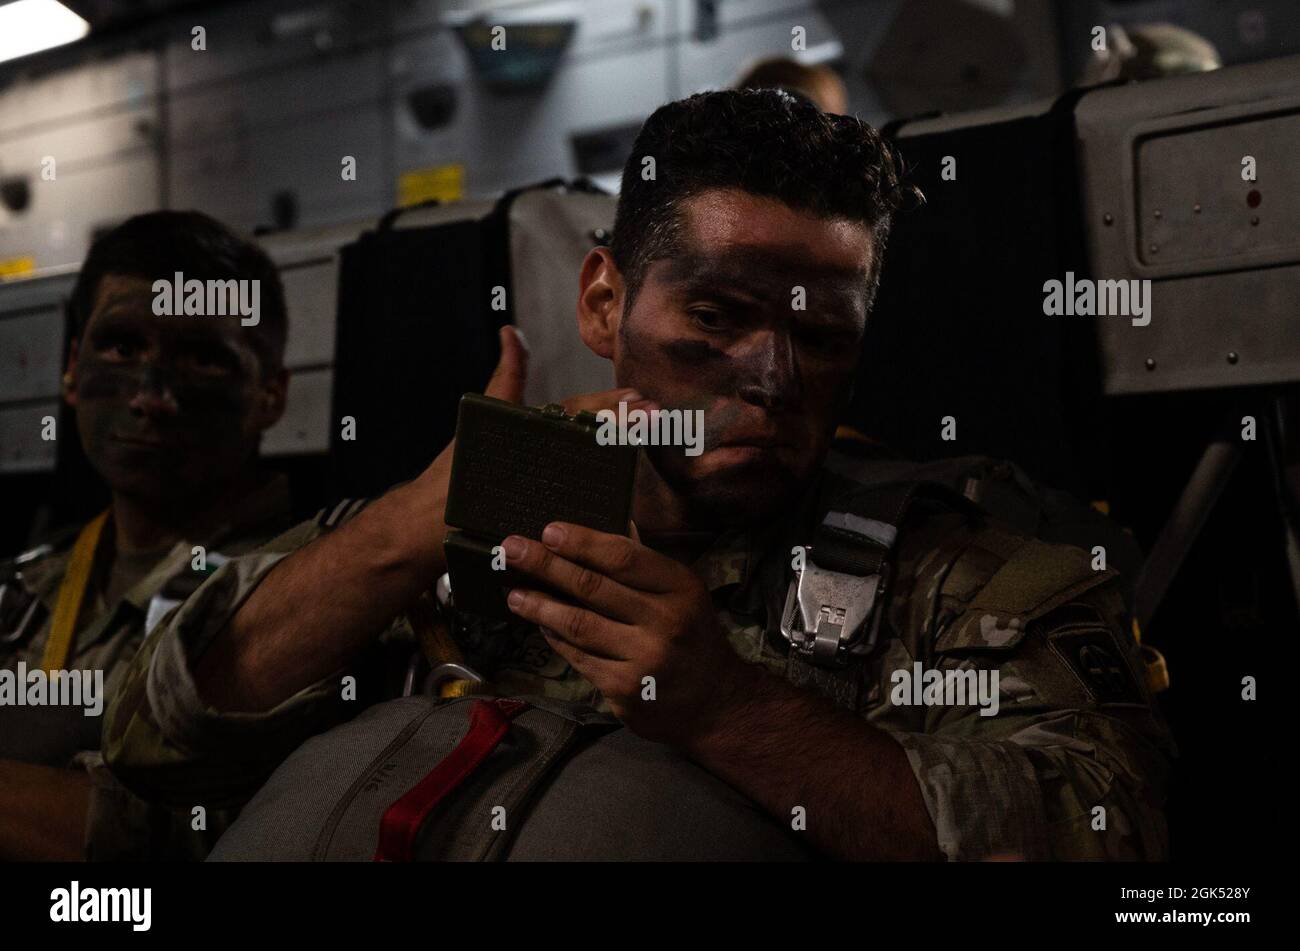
(145, 443)
(755, 442)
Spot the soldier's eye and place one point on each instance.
(709, 318)
(118, 348)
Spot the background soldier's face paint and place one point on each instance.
(717, 326)
(164, 404)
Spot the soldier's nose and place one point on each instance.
(770, 375)
(155, 397)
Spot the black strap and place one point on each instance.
(839, 548)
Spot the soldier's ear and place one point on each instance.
(271, 399)
(600, 301)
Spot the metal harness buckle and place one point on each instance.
(830, 616)
(449, 670)
(27, 610)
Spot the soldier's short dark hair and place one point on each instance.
(156, 245)
(765, 142)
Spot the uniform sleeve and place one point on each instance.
(122, 827)
(1067, 757)
(167, 745)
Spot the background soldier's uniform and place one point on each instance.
(107, 636)
(1076, 729)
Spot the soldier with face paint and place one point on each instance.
(745, 255)
(170, 411)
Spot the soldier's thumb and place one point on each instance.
(508, 378)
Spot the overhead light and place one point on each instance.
(29, 26)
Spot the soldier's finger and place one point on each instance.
(595, 669)
(606, 399)
(511, 372)
(583, 584)
(584, 629)
(615, 556)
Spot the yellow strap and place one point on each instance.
(457, 688)
(850, 434)
(72, 592)
(1157, 668)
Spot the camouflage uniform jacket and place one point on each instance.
(107, 637)
(1075, 730)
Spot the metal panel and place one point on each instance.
(1235, 329)
(39, 292)
(31, 355)
(1223, 312)
(21, 447)
(94, 88)
(79, 145)
(304, 428)
(615, 71)
(98, 122)
(256, 100)
(740, 13)
(291, 91)
(1195, 210)
(268, 36)
(236, 145)
(604, 28)
(64, 213)
(31, 339)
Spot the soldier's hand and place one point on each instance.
(511, 373)
(630, 613)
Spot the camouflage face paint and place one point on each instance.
(200, 435)
(756, 317)
(163, 407)
(203, 406)
(731, 326)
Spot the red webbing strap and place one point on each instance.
(489, 721)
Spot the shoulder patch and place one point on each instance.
(1089, 650)
(1037, 578)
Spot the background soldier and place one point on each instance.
(170, 413)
